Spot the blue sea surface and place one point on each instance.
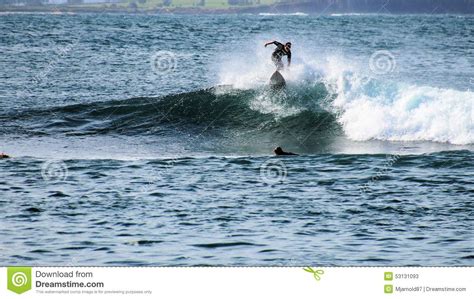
(148, 139)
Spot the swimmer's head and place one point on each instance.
(278, 150)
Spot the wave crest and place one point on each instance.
(395, 111)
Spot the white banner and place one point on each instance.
(245, 282)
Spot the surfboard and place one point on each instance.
(277, 81)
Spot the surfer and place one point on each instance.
(280, 51)
(280, 152)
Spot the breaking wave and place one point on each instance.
(323, 98)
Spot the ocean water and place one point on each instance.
(147, 140)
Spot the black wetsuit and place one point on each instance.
(280, 152)
(279, 53)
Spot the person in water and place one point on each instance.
(280, 152)
(280, 51)
(4, 156)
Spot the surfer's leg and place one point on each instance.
(280, 65)
(277, 61)
(274, 60)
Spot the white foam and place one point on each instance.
(283, 14)
(246, 70)
(369, 108)
(267, 103)
(252, 69)
(385, 109)
(395, 111)
(349, 14)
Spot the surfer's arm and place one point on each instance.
(273, 42)
(289, 59)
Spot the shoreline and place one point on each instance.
(309, 8)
